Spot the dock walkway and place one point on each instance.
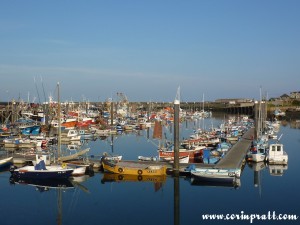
(235, 156)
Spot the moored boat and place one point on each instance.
(214, 174)
(133, 168)
(51, 172)
(277, 155)
(192, 153)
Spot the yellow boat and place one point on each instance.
(133, 168)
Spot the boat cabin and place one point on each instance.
(277, 155)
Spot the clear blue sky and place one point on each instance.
(146, 49)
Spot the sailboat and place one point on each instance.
(258, 150)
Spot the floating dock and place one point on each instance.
(236, 155)
(233, 159)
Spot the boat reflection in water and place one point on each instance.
(157, 180)
(257, 167)
(277, 170)
(43, 184)
(236, 183)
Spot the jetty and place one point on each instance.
(236, 155)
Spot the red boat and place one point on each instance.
(192, 153)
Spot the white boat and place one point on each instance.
(214, 174)
(147, 158)
(277, 155)
(258, 150)
(70, 135)
(278, 113)
(114, 158)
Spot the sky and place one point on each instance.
(147, 49)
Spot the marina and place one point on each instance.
(149, 112)
(249, 180)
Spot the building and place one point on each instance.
(295, 95)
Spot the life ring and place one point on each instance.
(120, 170)
(140, 172)
(140, 178)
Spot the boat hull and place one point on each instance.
(28, 172)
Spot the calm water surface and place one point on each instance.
(174, 201)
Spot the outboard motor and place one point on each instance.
(12, 168)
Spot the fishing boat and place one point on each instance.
(258, 150)
(133, 168)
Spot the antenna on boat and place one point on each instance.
(279, 138)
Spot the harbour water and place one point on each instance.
(94, 200)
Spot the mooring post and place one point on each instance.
(176, 137)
